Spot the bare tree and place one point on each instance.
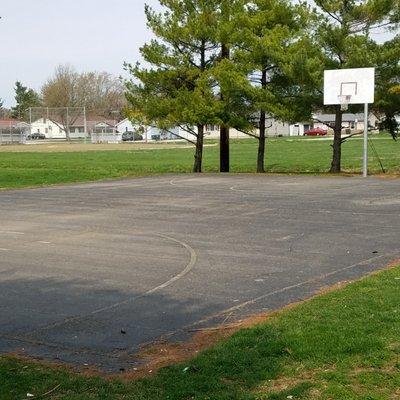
(100, 92)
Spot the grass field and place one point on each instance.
(343, 345)
(47, 164)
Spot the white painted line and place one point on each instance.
(185, 271)
(287, 288)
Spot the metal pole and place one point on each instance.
(365, 158)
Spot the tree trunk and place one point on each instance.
(261, 145)
(224, 131)
(261, 140)
(336, 167)
(224, 149)
(198, 157)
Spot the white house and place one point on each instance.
(49, 128)
(79, 127)
(274, 128)
(299, 128)
(126, 126)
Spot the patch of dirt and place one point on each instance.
(328, 289)
(86, 371)
(285, 383)
(162, 354)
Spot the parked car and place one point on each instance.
(131, 136)
(36, 136)
(316, 132)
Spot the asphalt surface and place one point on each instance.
(90, 273)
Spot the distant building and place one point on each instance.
(49, 128)
(299, 128)
(352, 122)
(78, 129)
(152, 133)
(9, 123)
(274, 128)
(211, 131)
(126, 126)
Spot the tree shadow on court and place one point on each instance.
(80, 323)
(325, 335)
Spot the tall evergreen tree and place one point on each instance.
(230, 14)
(178, 88)
(25, 99)
(270, 29)
(343, 34)
(387, 104)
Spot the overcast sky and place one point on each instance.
(37, 35)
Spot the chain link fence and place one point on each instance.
(14, 134)
(104, 132)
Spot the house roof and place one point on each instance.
(347, 117)
(92, 121)
(7, 122)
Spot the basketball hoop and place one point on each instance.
(344, 101)
(351, 86)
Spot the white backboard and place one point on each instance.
(358, 83)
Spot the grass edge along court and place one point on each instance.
(55, 163)
(343, 344)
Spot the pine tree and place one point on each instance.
(178, 88)
(387, 103)
(25, 99)
(230, 13)
(270, 30)
(343, 34)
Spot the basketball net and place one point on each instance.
(344, 101)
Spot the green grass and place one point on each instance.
(22, 169)
(344, 345)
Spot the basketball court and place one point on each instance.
(90, 273)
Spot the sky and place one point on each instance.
(91, 35)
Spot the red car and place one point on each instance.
(316, 132)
